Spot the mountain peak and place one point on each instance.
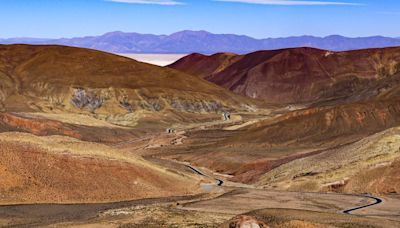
(190, 32)
(334, 37)
(118, 33)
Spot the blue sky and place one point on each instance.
(257, 18)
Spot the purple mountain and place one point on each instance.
(205, 42)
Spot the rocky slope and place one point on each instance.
(49, 78)
(300, 75)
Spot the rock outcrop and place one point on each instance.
(15, 122)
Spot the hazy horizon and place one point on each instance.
(168, 34)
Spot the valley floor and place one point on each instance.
(210, 209)
(215, 206)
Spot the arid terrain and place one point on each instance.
(288, 138)
(298, 75)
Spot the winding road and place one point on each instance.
(377, 201)
(348, 211)
(199, 172)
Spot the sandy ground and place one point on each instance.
(155, 59)
(41, 215)
(290, 218)
(242, 200)
(207, 210)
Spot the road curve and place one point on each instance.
(377, 201)
(199, 172)
(348, 211)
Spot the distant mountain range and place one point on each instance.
(205, 42)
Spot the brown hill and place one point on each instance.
(58, 169)
(298, 75)
(324, 125)
(46, 78)
(203, 65)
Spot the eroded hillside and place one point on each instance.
(56, 78)
(296, 75)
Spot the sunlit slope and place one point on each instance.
(368, 165)
(46, 78)
(59, 169)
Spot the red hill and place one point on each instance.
(297, 75)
